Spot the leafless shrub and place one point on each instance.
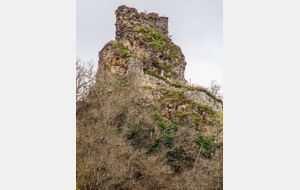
(111, 114)
(220, 96)
(115, 129)
(214, 88)
(196, 85)
(85, 77)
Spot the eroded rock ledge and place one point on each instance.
(143, 51)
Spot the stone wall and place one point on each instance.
(133, 55)
(197, 96)
(135, 72)
(128, 18)
(168, 55)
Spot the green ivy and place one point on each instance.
(205, 143)
(155, 144)
(167, 140)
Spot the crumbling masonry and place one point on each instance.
(143, 51)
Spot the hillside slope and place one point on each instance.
(140, 126)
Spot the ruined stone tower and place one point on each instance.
(143, 51)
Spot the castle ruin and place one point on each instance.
(143, 51)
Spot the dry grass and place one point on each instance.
(153, 15)
(115, 129)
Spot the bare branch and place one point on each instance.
(214, 87)
(85, 77)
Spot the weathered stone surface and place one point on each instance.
(142, 45)
(197, 96)
(162, 56)
(127, 18)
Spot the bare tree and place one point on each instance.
(220, 96)
(214, 88)
(85, 77)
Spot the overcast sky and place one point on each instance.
(196, 26)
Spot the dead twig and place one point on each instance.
(197, 158)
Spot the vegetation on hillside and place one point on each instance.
(85, 77)
(144, 137)
(126, 140)
(172, 52)
(185, 86)
(159, 42)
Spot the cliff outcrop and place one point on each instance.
(143, 51)
(141, 126)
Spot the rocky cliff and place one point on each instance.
(143, 51)
(140, 126)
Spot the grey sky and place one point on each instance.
(196, 26)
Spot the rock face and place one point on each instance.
(128, 18)
(143, 51)
(153, 131)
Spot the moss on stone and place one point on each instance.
(166, 68)
(180, 86)
(158, 41)
(180, 113)
(123, 51)
(165, 46)
(157, 44)
(148, 87)
(152, 15)
(176, 63)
